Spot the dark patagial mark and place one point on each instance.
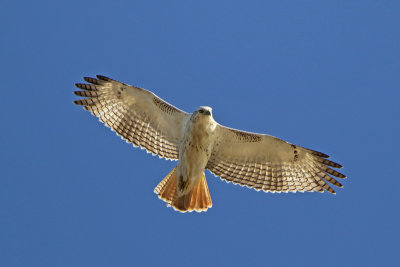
(164, 106)
(246, 137)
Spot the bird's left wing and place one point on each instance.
(264, 162)
(137, 115)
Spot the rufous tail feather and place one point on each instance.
(198, 199)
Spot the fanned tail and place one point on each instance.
(197, 199)
(167, 187)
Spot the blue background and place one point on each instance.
(320, 74)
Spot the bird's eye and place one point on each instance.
(201, 111)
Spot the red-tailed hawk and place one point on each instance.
(198, 142)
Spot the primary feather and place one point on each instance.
(137, 115)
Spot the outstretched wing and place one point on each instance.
(137, 115)
(264, 162)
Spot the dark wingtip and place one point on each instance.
(91, 80)
(321, 154)
(104, 78)
(329, 163)
(83, 86)
(317, 153)
(87, 86)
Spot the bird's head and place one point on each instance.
(205, 111)
(203, 116)
(202, 113)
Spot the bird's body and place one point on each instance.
(198, 142)
(195, 149)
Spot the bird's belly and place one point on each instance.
(193, 161)
(194, 153)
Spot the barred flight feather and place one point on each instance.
(131, 112)
(270, 164)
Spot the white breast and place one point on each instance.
(195, 149)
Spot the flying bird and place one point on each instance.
(198, 142)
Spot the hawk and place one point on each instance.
(198, 142)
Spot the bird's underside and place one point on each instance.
(258, 161)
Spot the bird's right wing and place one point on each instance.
(267, 163)
(137, 115)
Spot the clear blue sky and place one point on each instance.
(320, 74)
